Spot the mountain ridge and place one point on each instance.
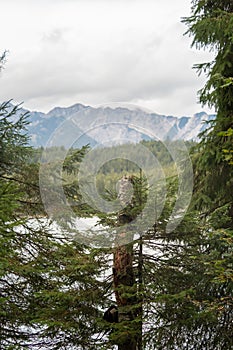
(96, 125)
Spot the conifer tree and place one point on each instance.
(211, 25)
(48, 281)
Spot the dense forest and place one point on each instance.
(127, 284)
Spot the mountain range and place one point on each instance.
(79, 124)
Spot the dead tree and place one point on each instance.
(123, 273)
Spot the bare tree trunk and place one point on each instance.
(140, 276)
(124, 281)
(140, 290)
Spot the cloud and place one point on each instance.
(54, 37)
(96, 52)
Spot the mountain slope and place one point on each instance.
(78, 125)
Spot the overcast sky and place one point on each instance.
(63, 52)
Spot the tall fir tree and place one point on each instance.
(49, 283)
(211, 25)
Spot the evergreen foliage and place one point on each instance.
(48, 298)
(211, 26)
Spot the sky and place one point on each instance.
(99, 52)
